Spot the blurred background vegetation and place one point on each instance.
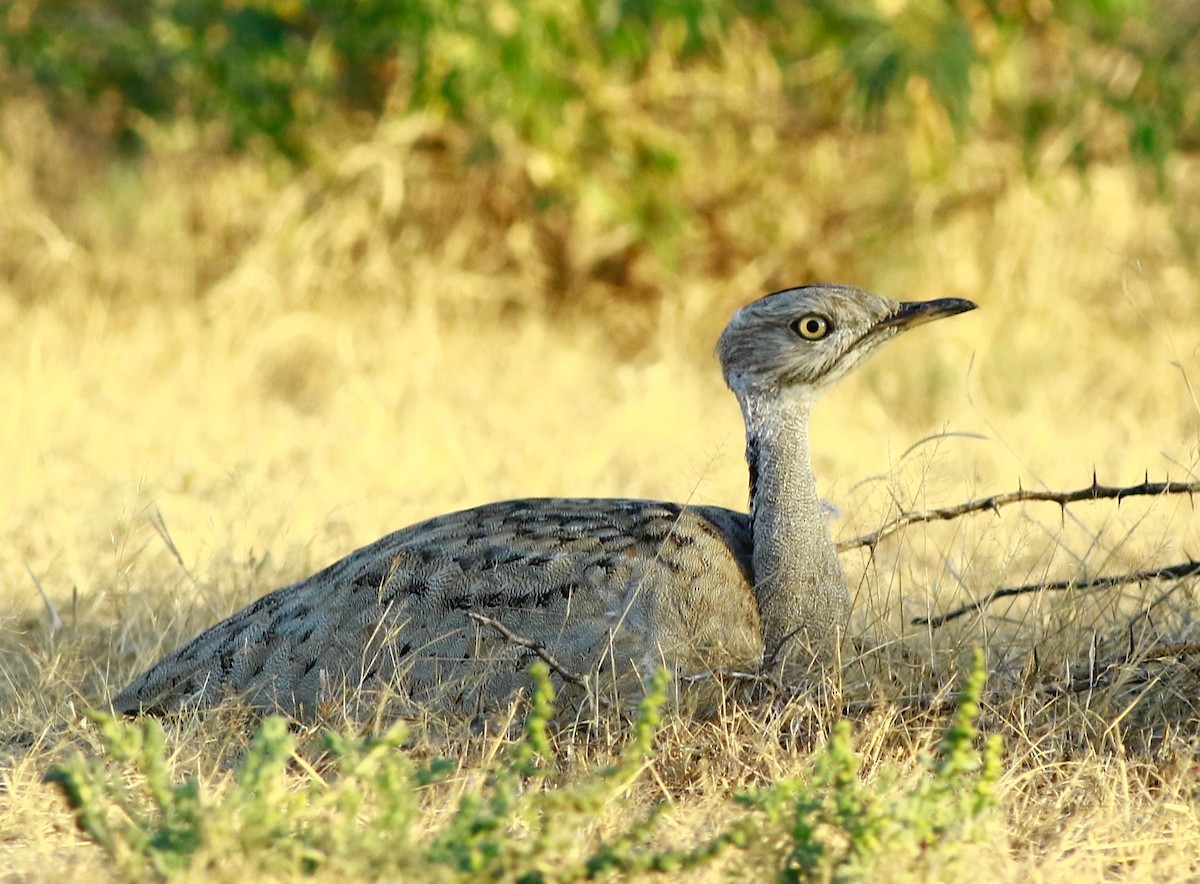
(520, 73)
(404, 216)
(619, 141)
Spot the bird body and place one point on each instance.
(595, 580)
(455, 608)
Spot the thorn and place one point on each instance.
(1095, 484)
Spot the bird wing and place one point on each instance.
(586, 579)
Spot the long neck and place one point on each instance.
(801, 589)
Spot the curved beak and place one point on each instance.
(913, 313)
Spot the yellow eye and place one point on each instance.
(811, 327)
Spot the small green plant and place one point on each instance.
(364, 817)
(361, 818)
(148, 822)
(837, 824)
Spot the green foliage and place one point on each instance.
(147, 822)
(574, 94)
(364, 816)
(927, 40)
(1128, 58)
(360, 819)
(839, 826)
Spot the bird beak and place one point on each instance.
(913, 313)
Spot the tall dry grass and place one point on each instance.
(218, 375)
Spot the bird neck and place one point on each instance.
(800, 587)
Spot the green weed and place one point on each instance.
(363, 816)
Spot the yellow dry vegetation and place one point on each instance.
(217, 375)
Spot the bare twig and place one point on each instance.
(1170, 572)
(1174, 650)
(993, 503)
(535, 646)
(734, 675)
(941, 704)
(1132, 669)
(1102, 674)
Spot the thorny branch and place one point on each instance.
(1095, 491)
(992, 503)
(1170, 572)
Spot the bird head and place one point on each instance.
(801, 340)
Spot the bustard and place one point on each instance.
(611, 588)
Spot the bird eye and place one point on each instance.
(811, 327)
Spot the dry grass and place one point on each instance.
(217, 377)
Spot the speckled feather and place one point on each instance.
(608, 586)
